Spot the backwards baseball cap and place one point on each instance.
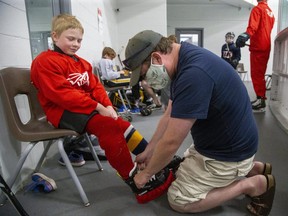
(137, 50)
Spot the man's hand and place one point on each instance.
(141, 179)
(242, 38)
(143, 158)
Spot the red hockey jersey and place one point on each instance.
(66, 84)
(259, 28)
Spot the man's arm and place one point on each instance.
(143, 158)
(166, 147)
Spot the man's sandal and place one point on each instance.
(262, 205)
(267, 169)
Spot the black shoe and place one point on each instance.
(155, 107)
(79, 145)
(157, 180)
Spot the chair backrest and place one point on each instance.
(14, 82)
(240, 68)
(98, 74)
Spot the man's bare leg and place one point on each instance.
(252, 186)
(150, 92)
(258, 168)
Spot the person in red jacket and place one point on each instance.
(73, 98)
(259, 29)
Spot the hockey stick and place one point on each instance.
(10, 195)
(119, 58)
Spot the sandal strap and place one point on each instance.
(258, 209)
(267, 169)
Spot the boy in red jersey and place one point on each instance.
(259, 29)
(73, 98)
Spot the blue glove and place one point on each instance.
(242, 38)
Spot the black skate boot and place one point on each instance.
(259, 105)
(175, 163)
(155, 187)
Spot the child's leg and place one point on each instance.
(135, 141)
(111, 139)
(112, 135)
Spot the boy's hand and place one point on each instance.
(107, 111)
(112, 112)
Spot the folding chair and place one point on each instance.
(240, 70)
(120, 90)
(15, 82)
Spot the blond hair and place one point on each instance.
(108, 51)
(62, 22)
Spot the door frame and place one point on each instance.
(198, 31)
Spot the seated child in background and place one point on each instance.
(107, 68)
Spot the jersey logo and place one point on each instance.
(227, 54)
(79, 79)
(270, 13)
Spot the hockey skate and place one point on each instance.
(175, 163)
(155, 187)
(259, 106)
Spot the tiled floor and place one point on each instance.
(109, 195)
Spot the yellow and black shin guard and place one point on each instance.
(135, 141)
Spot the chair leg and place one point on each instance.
(86, 136)
(126, 98)
(12, 179)
(244, 77)
(122, 100)
(46, 149)
(72, 172)
(11, 196)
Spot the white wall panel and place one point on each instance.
(136, 16)
(216, 20)
(14, 36)
(279, 88)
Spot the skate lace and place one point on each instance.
(152, 179)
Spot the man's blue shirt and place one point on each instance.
(208, 89)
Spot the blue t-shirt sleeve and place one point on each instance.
(191, 94)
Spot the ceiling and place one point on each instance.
(234, 3)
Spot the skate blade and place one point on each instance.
(157, 192)
(261, 110)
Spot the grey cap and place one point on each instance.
(137, 50)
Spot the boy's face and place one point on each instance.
(229, 39)
(69, 41)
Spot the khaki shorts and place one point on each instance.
(197, 175)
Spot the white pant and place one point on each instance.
(197, 175)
